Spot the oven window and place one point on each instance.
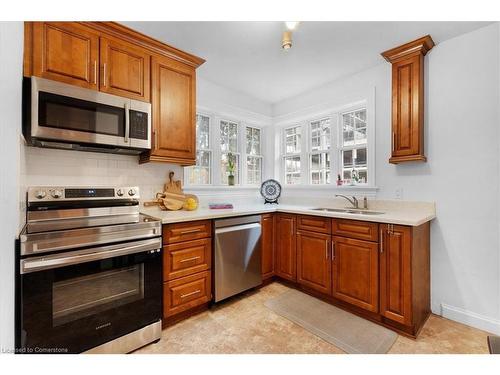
(78, 297)
(56, 111)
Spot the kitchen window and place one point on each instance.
(292, 155)
(254, 157)
(319, 157)
(229, 150)
(335, 144)
(353, 146)
(200, 174)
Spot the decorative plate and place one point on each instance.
(270, 190)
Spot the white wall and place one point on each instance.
(462, 172)
(11, 49)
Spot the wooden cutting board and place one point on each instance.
(173, 198)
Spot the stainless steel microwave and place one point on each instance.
(58, 115)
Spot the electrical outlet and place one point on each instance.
(398, 193)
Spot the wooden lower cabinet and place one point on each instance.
(187, 258)
(314, 267)
(286, 254)
(187, 263)
(355, 272)
(395, 274)
(186, 293)
(267, 245)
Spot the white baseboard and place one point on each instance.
(470, 318)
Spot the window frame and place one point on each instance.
(247, 155)
(336, 163)
(285, 154)
(210, 150)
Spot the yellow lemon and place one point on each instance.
(190, 204)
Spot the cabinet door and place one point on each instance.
(124, 69)
(395, 274)
(355, 272)
(314, 268)
(286, 256)
(66, 52)
(174, 111)
(267, 241)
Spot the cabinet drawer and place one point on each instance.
(186, 258)
(314, 224)
(193, 230)
(185, 293)
(362, 230)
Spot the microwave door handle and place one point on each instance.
(127, 121)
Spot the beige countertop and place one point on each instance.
(394, 212)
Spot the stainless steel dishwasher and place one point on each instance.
(237, 255)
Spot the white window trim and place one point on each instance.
(335, 133)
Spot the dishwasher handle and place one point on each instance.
(237, 228)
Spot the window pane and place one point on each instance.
(320, 135)
(292, 170)
(320, 168)
(253, 141)
(254, 170)
(355, 159)
(202, 132)
(224, 168)
(292, 140)
(354, 128)
(199, 174)
(228, 136)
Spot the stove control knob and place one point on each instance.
(131, 192)
(56, 193)
(40, 194)
(120, 192)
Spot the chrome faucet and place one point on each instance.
(353, 201)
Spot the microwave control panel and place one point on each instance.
(138, 124)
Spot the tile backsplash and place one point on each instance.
(42, 166)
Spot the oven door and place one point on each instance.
(74, 301)
(66, 113)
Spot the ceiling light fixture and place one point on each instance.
(286, 41)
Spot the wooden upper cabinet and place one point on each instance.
(125, 69)
(267, 245)
(174, 112)
(395, 273)
(286, 255)
(356, 272)
(408, 99)
(314, 267)
(63, 51)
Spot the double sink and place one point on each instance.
(356, 211)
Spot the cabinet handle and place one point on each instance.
(393, 141)
(95, 72)
(326, 252)
(190, 294)
(189, 259)
(190, 231)
(104, 74)
(381, 241)
(333, 250)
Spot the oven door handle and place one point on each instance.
(88, 255)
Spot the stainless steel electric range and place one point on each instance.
(90, 272)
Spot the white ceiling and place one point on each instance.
(247, 56)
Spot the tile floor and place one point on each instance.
(244, 325)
